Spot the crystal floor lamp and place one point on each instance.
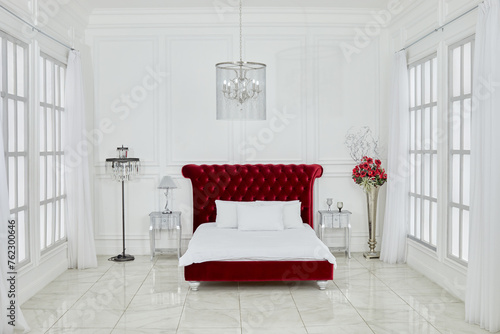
(122, 169)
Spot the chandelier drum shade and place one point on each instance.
(241, 88)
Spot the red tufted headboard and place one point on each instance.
(249, 183)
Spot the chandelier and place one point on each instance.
(241, 88)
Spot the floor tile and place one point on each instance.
(89, 318)
(167, 319)
(361, 328)
(194, 318)
(270, 316)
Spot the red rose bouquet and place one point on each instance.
(369, 174)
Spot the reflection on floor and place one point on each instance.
(152, 297)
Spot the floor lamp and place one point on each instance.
(122, 169)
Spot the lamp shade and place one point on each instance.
(167, 183)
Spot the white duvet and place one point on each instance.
(210, 243)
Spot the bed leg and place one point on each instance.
(322, 284)
(194, 285)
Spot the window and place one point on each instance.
(14, 93)
(423, 151)
(460, 96)
(52, 192)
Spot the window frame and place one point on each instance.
(461, 152)
(57, 200)
(432, 150)
(16, 154)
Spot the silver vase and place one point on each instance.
(372, 201)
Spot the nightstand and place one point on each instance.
(336, 219)
(164, 221)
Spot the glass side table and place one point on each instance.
(336, 219)
(164, 221)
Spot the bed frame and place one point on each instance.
(250, 183)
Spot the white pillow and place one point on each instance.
(291, 213)
(227, 216)
(260, 217)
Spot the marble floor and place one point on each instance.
(152, 297)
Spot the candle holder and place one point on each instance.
(329, 202)
(340, 205)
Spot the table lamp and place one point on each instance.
(167, 183)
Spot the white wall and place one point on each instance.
(309, 79)
(416, 21)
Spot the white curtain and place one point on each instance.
(393, 247)
(5, 327)
(81, 245)
(482, 301)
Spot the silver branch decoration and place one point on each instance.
(360, 142)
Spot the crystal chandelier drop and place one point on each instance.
(241, 88)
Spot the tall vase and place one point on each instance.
(372, 201)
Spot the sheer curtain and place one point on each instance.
(393, 248)
(5, 328)
(81, 244)
(482, 300)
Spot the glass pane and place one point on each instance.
(466, 179)
(49, 80)
(57, 138)
(418, 173)
(455, 231)
(427, 129)
(20, 71)
(412, 215)
(465, 235)
(434, 176)
(467, 69)
(42, 226)
(50, 176)
(418, 137)
(427, 81)
(456, 123)
(63, 220)
(12, 182)
(56, 86)
(467, 123)
(417, 218)
(21, 178)
(42, 179)
(62, 171)
(63, 78)
(21, 237)
(455, 194)
(412, 87)
(434, 80)
(11, 78)
(11, 121)
(426, 217)
(43, 128)
(42, 80)
(50, 222)
(435, 132)
(50, 130)
(1, 66)
(412, 130)
(21, 126)
(57, 221)
(412, 172)
(57, 175)
(427, 174)
(456, 75)
(434, 223)
(418, 85)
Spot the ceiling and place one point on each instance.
(109, 4)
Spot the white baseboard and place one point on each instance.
(446, 274)
(33, 279)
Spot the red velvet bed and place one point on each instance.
(250, 183)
